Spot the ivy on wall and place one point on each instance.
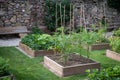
(51, 11)
(114, 4)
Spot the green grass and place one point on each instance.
(105, 61)
(25, 68)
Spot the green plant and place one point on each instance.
(88, 38)
(62, 40)
(117, 33)
(39, 42)
(91, 37)
(101, 36)
(4, 67)
(65, 44)
(110, 73)
(51, 6)
(115, 43)
(36, 30)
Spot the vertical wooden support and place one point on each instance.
(56, 16)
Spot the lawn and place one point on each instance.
(25, 68)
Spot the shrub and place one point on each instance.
(92, 37)
(36, 30)
(66, 43)
(115, 43)
(111, 73)
(39, 42)
(117, 33)
(4, 67)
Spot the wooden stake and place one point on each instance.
(81, 15)
(56, 16)
(61, 14)
(70, 17)
(84, 16)
(105, 12)
(64, 15)
(73, 17)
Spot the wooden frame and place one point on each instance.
(34, 53)
(113, 55)
(62, 71)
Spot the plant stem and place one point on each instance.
(88, 55)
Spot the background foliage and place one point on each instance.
(50, 17)
(4, 67)
(110, 73)
(38, 42)
(114, 4)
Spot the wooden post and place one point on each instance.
(81, 15)
(56, 16)
(73, 17)
(84, 16)
(60, 14)
(64, 15)
(105, 12)
(70, 17)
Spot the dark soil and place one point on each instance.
(71, 59)
(9, 36)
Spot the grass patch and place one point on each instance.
(100, 56)
(25, 68)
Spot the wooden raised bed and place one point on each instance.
(34, 53)
(100, 46)
(67, 70)
(113, 55)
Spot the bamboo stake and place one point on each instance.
(70, 17)
(81, 16)
(84, 16)
(64, 15)
(61, 14)
(56, 16)
(73, 17)
(105, 12)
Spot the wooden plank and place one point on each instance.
(13, 30)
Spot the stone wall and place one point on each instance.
(15, 15)
(22, 13)
(31, 13)
(88, 12)
(37, 13)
